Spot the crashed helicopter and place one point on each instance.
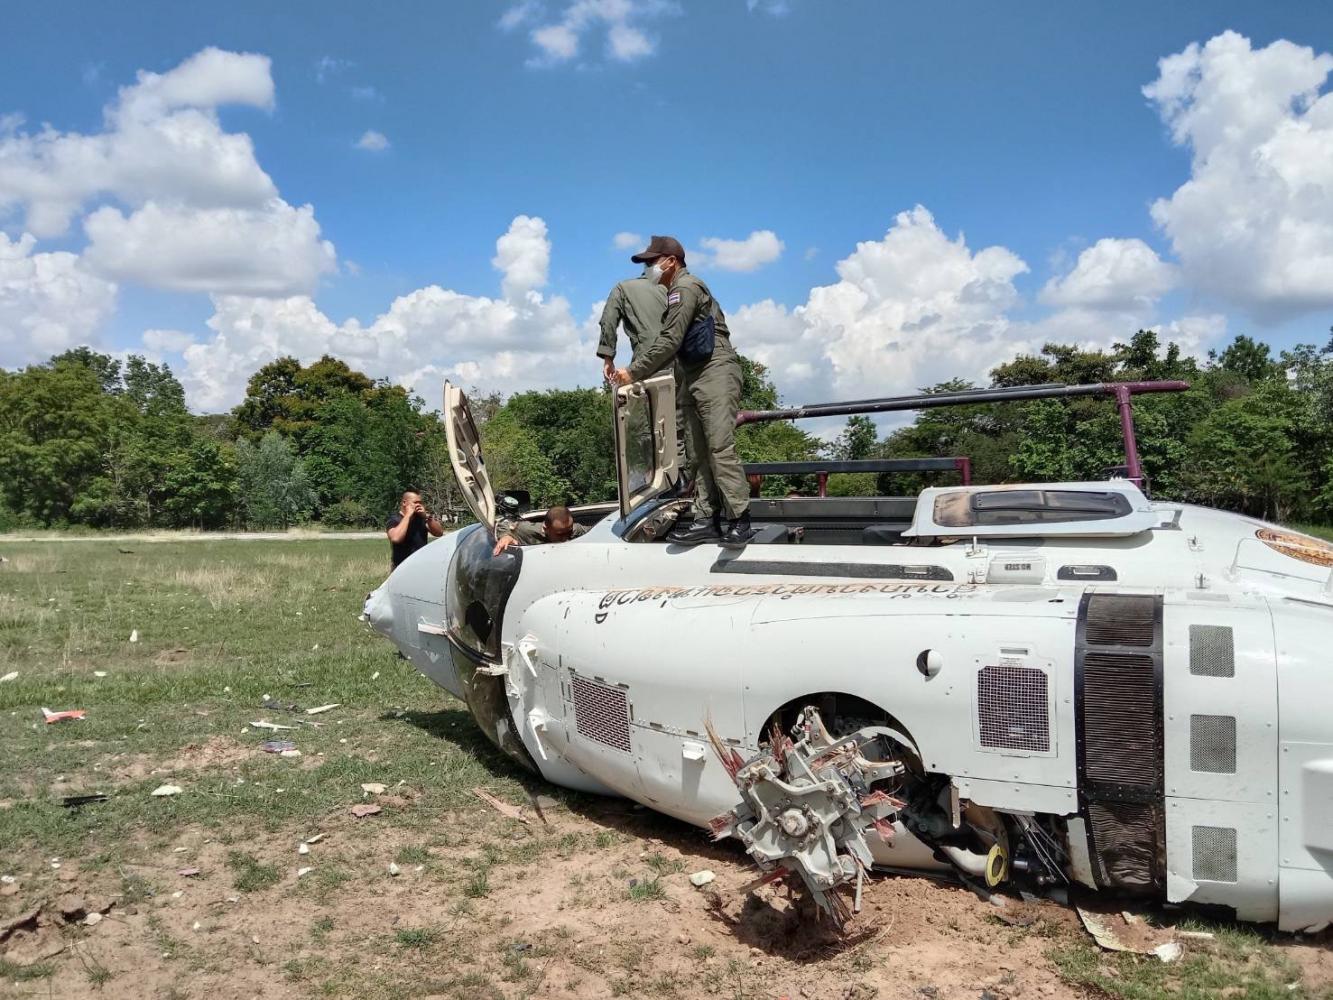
(1041, 685)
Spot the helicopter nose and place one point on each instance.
(379, 610)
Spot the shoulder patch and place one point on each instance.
(673, 298)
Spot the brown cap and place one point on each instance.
(660, 246)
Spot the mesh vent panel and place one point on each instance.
(1212, 651)
(601, 713)
(1115, 620)
(1214, 851)
(1012, 708)
(1213, 743)
(1120, 718)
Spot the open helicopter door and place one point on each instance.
(465, 456)
(645, 425)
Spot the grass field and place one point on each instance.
(593, 902)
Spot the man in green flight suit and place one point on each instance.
(639, 305)
(695, 336)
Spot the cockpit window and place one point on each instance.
(1002, 507)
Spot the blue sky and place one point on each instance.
(1017, 126)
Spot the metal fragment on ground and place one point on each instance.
(163, 790)
(363, 809)
(321, 709)
(500, 806)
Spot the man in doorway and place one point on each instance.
(411, 527)
(638, 305)
(695, 335)
(557, 526)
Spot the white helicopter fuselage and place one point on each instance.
(1156, 695)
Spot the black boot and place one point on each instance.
(697, 531)
(738, 533)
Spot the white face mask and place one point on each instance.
(655, 274)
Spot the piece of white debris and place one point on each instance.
(161, 790)
(372, 788)
(233, 899)
(315, 839)
(303, 872)
(99, 673)
(375, 676)
(265, 724)
(179, 850)
(1168, 952)
(314, 647)
(11, 676)
(226, 690)
(134, 635)
(198, 925)
(8, 879)
(343, 740)
(289, 753)
(701, 879)
(320, 709)
(393, 868)
(303, 848)
(92, 920)
(178, 894)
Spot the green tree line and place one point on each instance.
(86, 439)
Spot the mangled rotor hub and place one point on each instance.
(807, 805)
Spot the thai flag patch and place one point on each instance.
(673, 298)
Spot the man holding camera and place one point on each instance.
(409, 527)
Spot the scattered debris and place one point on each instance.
(503, 808)
(277, 746)
(1196, 935)
(7, 879)
(161, 790)
(300, 873)
(375, 676)
(188, 872)
(1169, 952)
(134, 635)
(73, 713)
(321, 709)
(13, 675)
(265, 724)
(363, 809)
(701, 879)
(1123, 931)
(197, 926)
(303, 848)
(74, 801)
(393, 868)
(290, 753)
(372, 788)
(315, 839)
(92, 919)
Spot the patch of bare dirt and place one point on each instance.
(218, 751)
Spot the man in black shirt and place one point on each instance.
(407, 529)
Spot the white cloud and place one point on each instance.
(195, 209)
(1253, 226)
(161, 140)
(1112, 274)
(366, 93)
(328, 66)
(560, 40)
(167, 341)
(510, 343)
(48, 302)
(628, 241)
(909, 310)
(777, 8)
(518, 14)
(373, 141)
(523, 255)
(275, 250)
(759, 248)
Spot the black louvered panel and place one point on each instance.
(1120, 733)
(1115, 620)
(1125, 834)
(1118, 664)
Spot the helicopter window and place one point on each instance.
(999, 507)
(640, 451)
